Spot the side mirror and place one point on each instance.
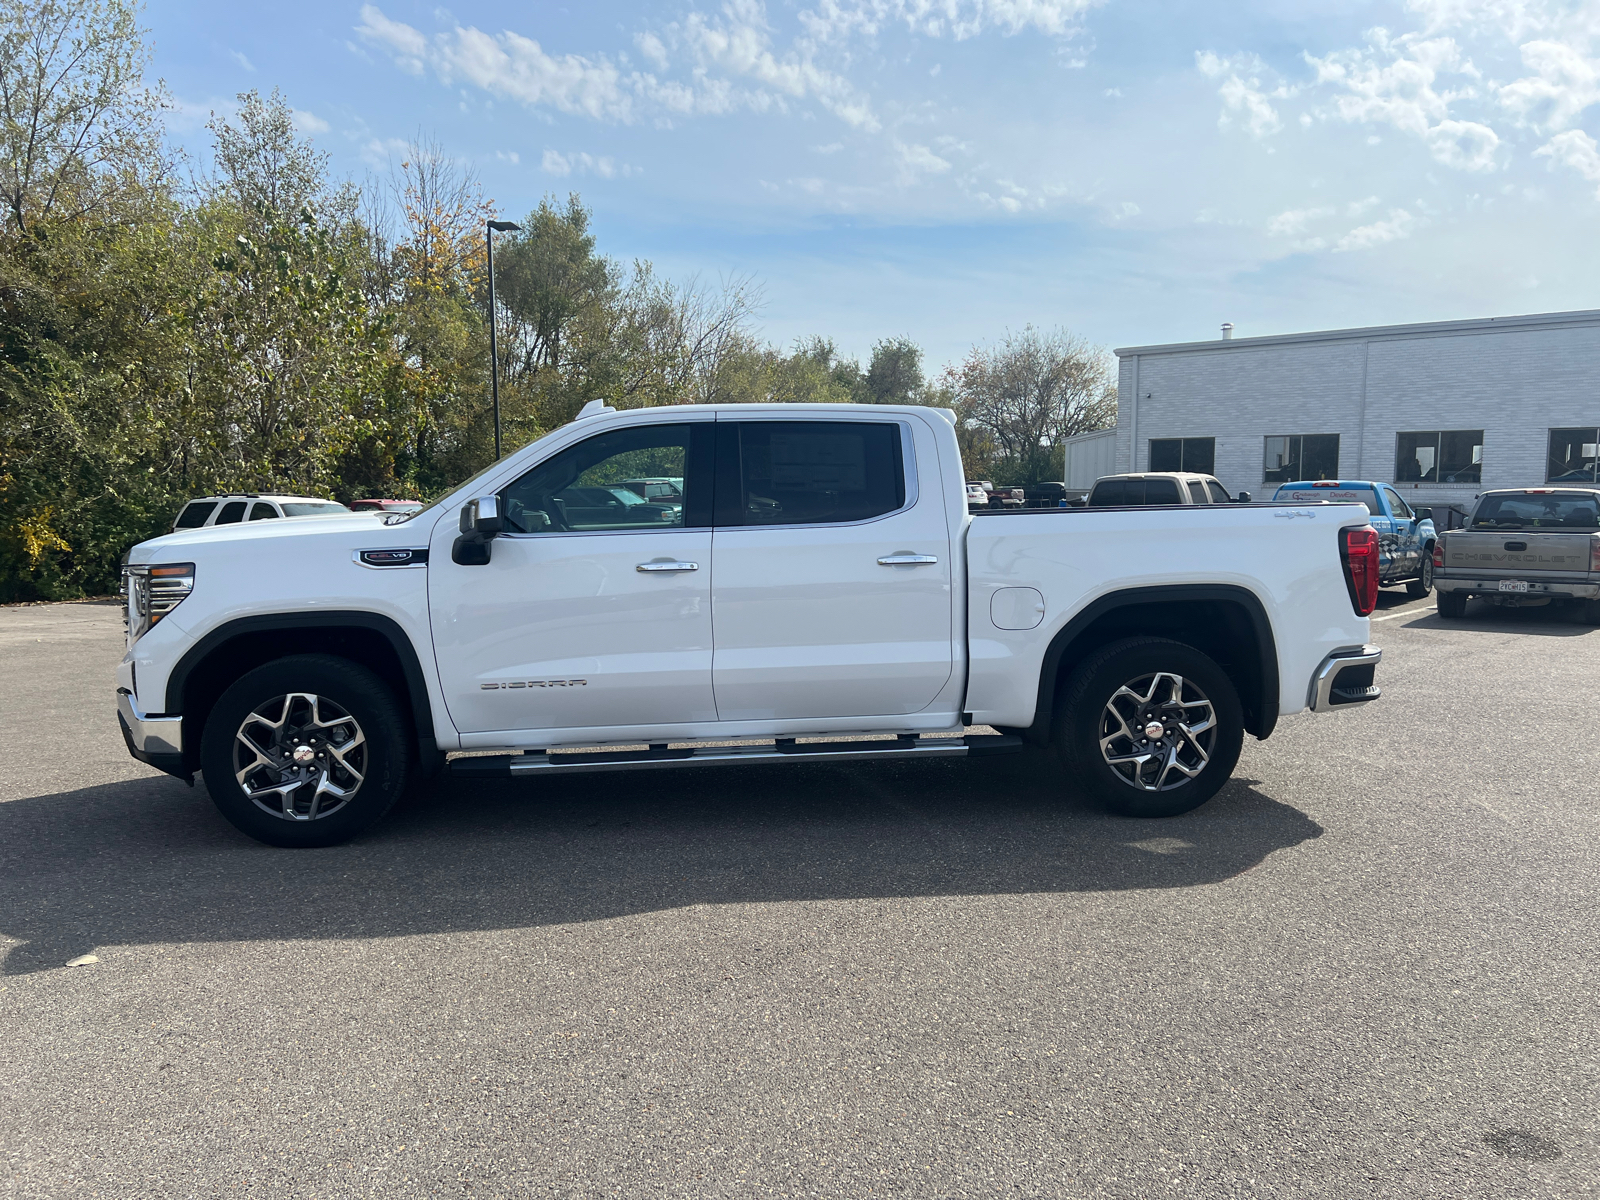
(1244, 498)
(480, 522)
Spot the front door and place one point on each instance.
(832, 593)
(594, 609)
(1408, 543)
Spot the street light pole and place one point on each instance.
(495, 227)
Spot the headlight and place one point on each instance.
(153, 591)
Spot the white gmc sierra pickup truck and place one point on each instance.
(812, 574)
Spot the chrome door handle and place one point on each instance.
(907, 560)
(668, 566)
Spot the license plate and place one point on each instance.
(1513, 585)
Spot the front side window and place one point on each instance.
(585, 488)
(814, 473)
(1218, 496)
(1197, 455)
(1301, 456)
(1573, 453)
(1439, 456)
(1398, 506)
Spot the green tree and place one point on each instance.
(1019, 400)
(894, 373)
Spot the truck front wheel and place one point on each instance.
(305, 751)
(1149, 727)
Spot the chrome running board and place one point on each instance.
(782, 750)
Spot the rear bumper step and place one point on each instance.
(782, 750)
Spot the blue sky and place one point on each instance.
(948, 169)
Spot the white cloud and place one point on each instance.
(244, 62)
(651, 47)
(1396, 226)
(553, 162)
(840, 20)
(1565, 83)
(1577, 150)
(510, 66)
(921, 160)
(1464, 145)
(1243, 94)
(830, 148)
(1411, 82)
(1293, 222)
(309, 122)
(740, 42)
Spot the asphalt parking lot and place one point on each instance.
(1368, 968)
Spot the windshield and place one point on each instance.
(311, 508)
(1578, 511)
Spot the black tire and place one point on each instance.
(1451, 605)
(1589, 612)
(1418, 588)
(1082, 717)
(350, 701)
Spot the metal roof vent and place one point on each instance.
(1227, 331)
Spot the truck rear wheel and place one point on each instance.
(1150, 727)
(1451, 605)
(305, 751)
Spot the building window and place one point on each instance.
(1440, 456)
(1572, 456)
(1301, 456)
(1184, 454)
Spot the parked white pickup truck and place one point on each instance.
(820, 593)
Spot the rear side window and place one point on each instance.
(1197, 492)
(1110, 493)
(813, 472)
(232, 513)
(195, 515)
(262, 512)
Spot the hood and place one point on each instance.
(357, 530)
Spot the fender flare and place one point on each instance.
(386, 627)
(1265, 720)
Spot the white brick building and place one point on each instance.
(1441, 410)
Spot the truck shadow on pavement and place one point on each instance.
(150, 861)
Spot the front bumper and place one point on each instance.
(1555, 589)
(1345, 679)
(156, 739)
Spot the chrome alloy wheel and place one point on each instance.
(1157, 732)
(299, 757)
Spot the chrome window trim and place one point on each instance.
(908, 464)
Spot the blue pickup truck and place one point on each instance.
(1405, 541)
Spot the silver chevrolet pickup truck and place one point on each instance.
(1524, 547)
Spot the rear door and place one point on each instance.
(1408, 545)
(832, 591)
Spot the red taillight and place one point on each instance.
(1594, 552)
(1438, 553)
(1359, 550)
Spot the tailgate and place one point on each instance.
(1517, 555)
